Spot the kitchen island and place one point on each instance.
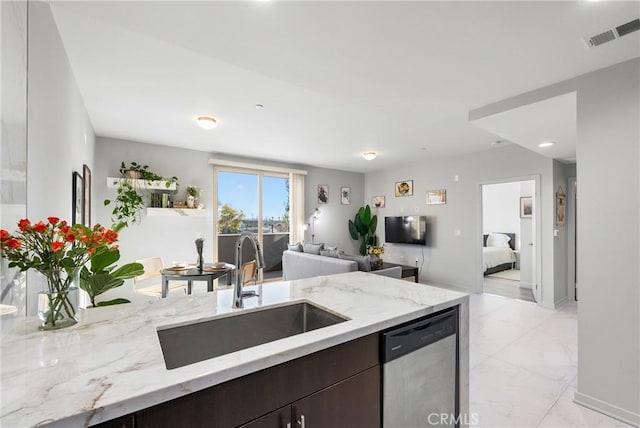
(111, 364)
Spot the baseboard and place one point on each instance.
(560, 302)
(608, 409)
(526, 285)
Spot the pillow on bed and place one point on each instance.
(498, 240)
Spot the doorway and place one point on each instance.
(508, 214)
(257, 202)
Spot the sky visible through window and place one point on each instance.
(241, 192)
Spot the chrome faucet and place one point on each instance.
(238, 293)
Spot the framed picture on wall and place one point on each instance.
(77, 203)
(345, 195)
(377, 201)
(323, 193)
(86, 196)
(561, 207)
(436, 197)
(526, 207)
(404, 188)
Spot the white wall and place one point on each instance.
(60, 134)
(501, 208)
(332, 227)
(608, 154)
(454, 260)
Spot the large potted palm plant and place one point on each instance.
(363, 228)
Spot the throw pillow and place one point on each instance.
(312, 248)
(295, 247)
(330, 253)
(498, 240)
(364, 263)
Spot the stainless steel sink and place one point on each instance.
(188, 344)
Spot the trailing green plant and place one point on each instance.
(363, 228)
(102, 276)
(145, 173)
(130, 198)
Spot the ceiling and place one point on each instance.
(335, 78)
(551, 120)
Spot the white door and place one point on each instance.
(528, 244)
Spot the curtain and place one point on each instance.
(296, 202)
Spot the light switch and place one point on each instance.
(556, 232)
(456, 178)
(457, 232)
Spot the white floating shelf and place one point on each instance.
(113, 182)
(176, 212)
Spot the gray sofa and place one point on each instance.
(298, 265)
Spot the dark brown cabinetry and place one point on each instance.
(336, 387)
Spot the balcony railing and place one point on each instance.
(274, 244)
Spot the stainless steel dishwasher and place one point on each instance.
(420, 373)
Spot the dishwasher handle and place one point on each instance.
(414, 335)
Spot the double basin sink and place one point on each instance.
(191, 343)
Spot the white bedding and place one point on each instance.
(494, 256)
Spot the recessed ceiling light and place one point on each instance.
(259, 106)
(546, 144)
(207, 122)
(369, 155)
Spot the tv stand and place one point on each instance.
(407, 271)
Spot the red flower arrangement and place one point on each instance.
(54, 245)
(59, 251)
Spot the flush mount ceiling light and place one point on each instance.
(259, 106)
(369, 155)
(545, 144)
(207, 122)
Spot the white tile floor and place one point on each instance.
(523, 366)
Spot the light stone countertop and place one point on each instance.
(110, 364)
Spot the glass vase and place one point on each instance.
(57, 305)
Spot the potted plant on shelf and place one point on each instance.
(59, 251)
(363, 228)
(130, 198)
(193, 193)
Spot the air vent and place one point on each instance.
(629, 27)
(612, 34)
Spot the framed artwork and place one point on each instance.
(323, 193)
(76, 198)
(377, 201)
(526, 207)
(561, 207)
(404, 188)
(345, 195)
(436, 197)
(86, 196)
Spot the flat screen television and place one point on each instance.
(406, 230)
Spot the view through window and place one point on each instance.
(257, 202)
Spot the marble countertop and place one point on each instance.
(110, 364)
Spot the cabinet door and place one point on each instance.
(280, 418)
(354, 402)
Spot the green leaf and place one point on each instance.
(366, 217)
(128, 271)
(107, 202)
(353, 231)
(100, 261)
(118, 301)
(373, 224)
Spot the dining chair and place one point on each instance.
(249, 272)
(150, 282)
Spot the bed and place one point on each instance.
(496, 257)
